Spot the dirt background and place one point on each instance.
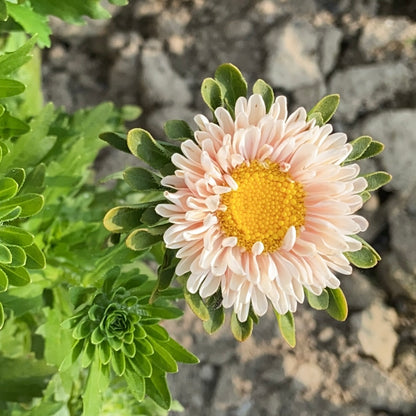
(155, 53)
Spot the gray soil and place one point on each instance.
(155, 53)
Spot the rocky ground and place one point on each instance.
(155, 53)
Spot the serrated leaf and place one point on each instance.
(35, 257)
(4, 282)
(15, 235)
(18, 276)
(157, 389)
(145, 147)
(318, 302)
(117, 140)
(376, 180)
(8, 189)
(178, 130)
(136, 385)
(18, 256)
(32, 22)
(141, 179)
(211, 93)
(215, 321)
(197, 305)
(10, 87)
(143, 238)
(179, 353)
(374, 149)
(287, 328)
(232, 84)
(337, 307)
(326, 107)
(359, 146)
(266, 91)
(241, 330)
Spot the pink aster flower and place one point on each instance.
(262, 207)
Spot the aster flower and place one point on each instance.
(263, 207)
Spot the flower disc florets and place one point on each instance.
(262, 207)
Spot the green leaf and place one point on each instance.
(135, 384)
(130, 112)
(211, 93)
(241, 330)
(15, 235)
(71, 11)
(141, 365)
(266, 91)
(117, 140)
(197, 305)
(35, 257)
(18, 256)
(118, 363)
(5, 255)
(365, 258)
(11, 61)
(215, 321)
(122, 219)
(286, 324)
(30, 204)
(337, 307)
(8, 189)
(178, 130)
(318, 302)
(376, 180)
(1, 316)
(141, 179)
(119, 2)
(157, 389)
(145, 147)
(87, 354)
(3, 10)
(18, 174)
(318, 118)
(326, 107)
(161, 358)
(10, 87)
(359, 146)
(374, 149)
(179, 353)
(11, 126)
(9, 213)
(32, 22)
(143, 239)
(18, 276)
(232, 84)
(365, 196)
(4, 282)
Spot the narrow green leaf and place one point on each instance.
(105, 352)
(141, 365)
(18, 276)
(215, 321)
(120, 3)
(145, 147)
(1, 316)
(157, 332)
(4, 281)
(241, 330)
(178, 130)
(87, 354)
(18, 256)
(211, 93)
(318, 118)
(157, 389)
(11, 61)
(144, 346)
(374, 149)
(141, 179)
(3, 10)
(232, 84)
(326, 106)
(286, 324)
(15, 235)
(35, 257)
(337, 307)
(5, 255)
(11, 126)
(10, 87)
(136, 385)
(359, 146)
(162, 359)
(318, 302)
(376, 180)
(118, 362)
(117, 140)
(197, 305)
(179, 353)
(143, 239)
(266, 91)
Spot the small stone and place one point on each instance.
(364, 88)
(310, 376)
(329, 47)
(368, 384)
(374, 328)
(292, 62)
(326, 334)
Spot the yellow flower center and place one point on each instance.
(266, 203)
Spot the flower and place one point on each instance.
(262, 207)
